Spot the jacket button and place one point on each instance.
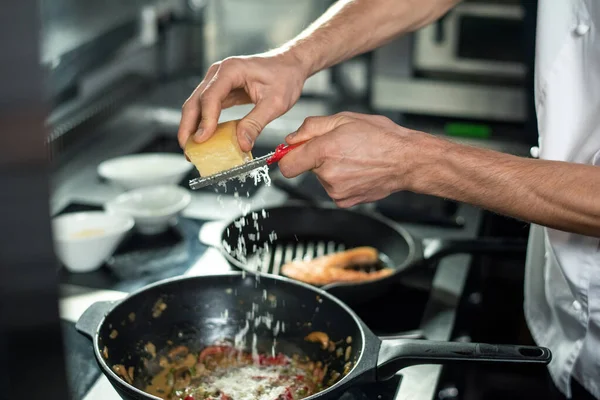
(582, 29)
(534, 152)
(576, 306)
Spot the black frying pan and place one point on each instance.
(313, 230)
(204, 309)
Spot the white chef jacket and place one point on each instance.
(562, 280)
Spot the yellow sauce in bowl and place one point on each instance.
(88, 233)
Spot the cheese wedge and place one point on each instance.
(219, 153)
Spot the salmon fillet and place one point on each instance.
(335, 267)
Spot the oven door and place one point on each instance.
(475, 39)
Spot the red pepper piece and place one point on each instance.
(189, 397)
(288, 394)
(225, 397)
(279, 359)
(213, 350)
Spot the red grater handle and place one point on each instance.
(281, 151)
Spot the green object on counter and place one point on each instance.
(468, 130)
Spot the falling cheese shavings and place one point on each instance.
(260, 315)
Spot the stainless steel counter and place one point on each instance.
(158, 114)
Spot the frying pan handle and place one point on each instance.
(395, 355)
(414, 334)
(89, 321)
(435, 249)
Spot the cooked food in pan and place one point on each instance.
(352, 265)
(224, 373)
(165, 355)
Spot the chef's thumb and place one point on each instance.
(252, 124)
(313, 127)
(301, 159)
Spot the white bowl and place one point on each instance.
(154, 209)
(142, 170)
(84, 240)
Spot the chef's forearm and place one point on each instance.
(352, 27)
(556, 194)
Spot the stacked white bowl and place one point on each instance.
(151, 202)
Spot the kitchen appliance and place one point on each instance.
(262, 242)
(200, 311)
(471, 63)
(475, 39)
(427, 302)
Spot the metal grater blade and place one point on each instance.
(230, 173)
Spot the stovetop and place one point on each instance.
(83, 373)
(141, 260)
(428, 305)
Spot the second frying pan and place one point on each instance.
(202, 310)
(296, 230)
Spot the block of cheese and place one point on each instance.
(219, 153)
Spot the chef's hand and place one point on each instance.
(357, 158)
(272, 81)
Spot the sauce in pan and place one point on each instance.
(224, 373)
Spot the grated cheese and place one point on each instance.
(240, 385)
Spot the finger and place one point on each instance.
(191, 111)
(347, 203)
(236, 97)
(316, 126)
(252, 124)
(190, 116)
(211, 103)
(303, 158)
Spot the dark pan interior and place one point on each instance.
(203, 310)
(264, 241)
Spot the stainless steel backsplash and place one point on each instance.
(239, 27)
(69, 24)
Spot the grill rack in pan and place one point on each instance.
(282, 251)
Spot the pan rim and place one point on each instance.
(412, 243)
(115, 378)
